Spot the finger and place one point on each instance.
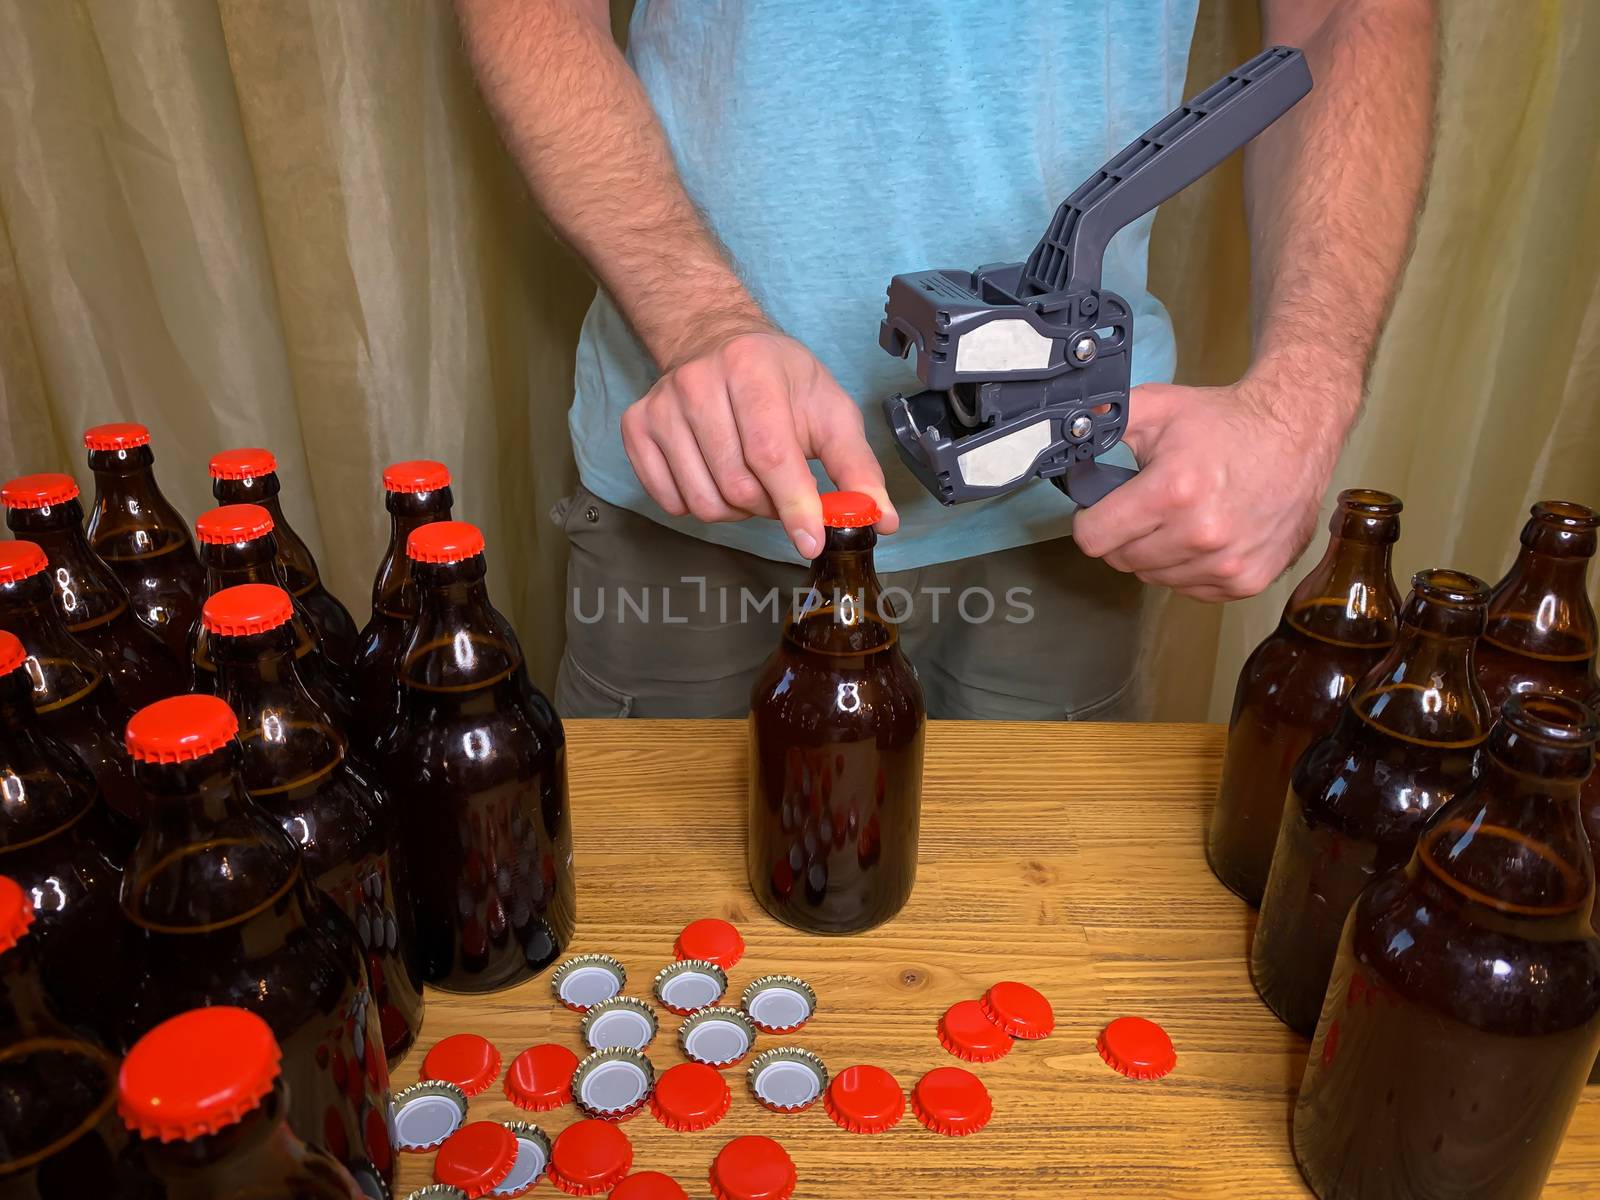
(1133, 511)
(650, 466)
(671, 433)
(848, 458)
(716, 432)
(764, 414)
(1181, 539)
(1226, 575)
(1150, 406)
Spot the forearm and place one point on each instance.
(1332, 193)
(579, 124)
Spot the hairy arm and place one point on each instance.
(1233, 477)
(739, 409)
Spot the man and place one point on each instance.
(743, 193)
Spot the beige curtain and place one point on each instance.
(290, 223)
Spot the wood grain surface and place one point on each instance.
(1066, 856)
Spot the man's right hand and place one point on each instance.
(726, 435)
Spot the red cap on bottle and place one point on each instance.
(710, 940)
(1020, 1010)
(21, 560)
(39, 491)
(865, 1099)
(690, 1096)
(952, 1101)
(590, 1157)
(16, 913)
(540, 1077)
(969, 1034)
(1138, 1048)
(416, 475)
(181, 729)
(233, 523)
(753, 1168)
(464, 1059)
(246, 609)
(247, 462)
(118, 435)
(197, 1073)
(12, 653)
(649, 1185)
(444, 542)
(849, 510)
(476, 1158)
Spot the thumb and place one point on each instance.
(1150, 407)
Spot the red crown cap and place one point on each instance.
(233, 523)
(16, 913)
(246, 609)
(12, 654)
(21, 560)
(39, 491)
(181, 729)
(118, 435)
(197, 1073)
(444, 542)
(247, 462)
(417, 475)
(849, 510)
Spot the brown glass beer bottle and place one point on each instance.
(71, 692)
(141, 537)
(44, 509)
(836, 734)
(26, 1010)
(204, 1095)
(1464, 1008)
(224, 914)
(1335, 627)
(416, 494)
(238, 546)
(250, 476)
(1404, 745)
(59, 841)
(1541, 634)
(297, 766)
(476, 762)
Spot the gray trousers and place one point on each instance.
(660, 624)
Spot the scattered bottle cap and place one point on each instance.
(540, 1078)
(718, 1037)
(476, 1158)
(787, 1079)
(1138, 1048)
(712, 940)
(952, 1101)
(589, 1158)
(967, 1032)
(690, 1097)
(690, 984)
(753, 1168)
(470, 1062)
(620, 1021)
(589, 979)
(865, 1099)
(533, 1156)
(437, 1191)
(427, 1113)
(779, 1003)
(613, 1084)
(1020, 1010)
(649, 1185)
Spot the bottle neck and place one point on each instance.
(843, 611)
(393, 592)
(1425, 690)
(88, 588)
(58, 665)
(36, 799)
(125, 482)
(459, 641)
(1349, 597)
(254, 1152)
(229, 564)
(24, 1011)
(1542, 608)
(286, 735)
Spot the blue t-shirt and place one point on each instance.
(832, 146)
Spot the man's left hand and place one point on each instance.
(1228, 491)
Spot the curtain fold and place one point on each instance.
(291, 223)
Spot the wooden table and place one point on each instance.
(1067, 856)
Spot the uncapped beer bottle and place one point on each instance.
(416, 494)
(1337, 624)
(297, 766)
(225, 914)
(60, 842)
(71, 692)
(1541, 633)
(141, 537)
(204, 1093)
(1464, 1008)
(250, 476)
(836, 733)
(1404, 745)
(238, 545)
(44, 509)
(476, 761)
